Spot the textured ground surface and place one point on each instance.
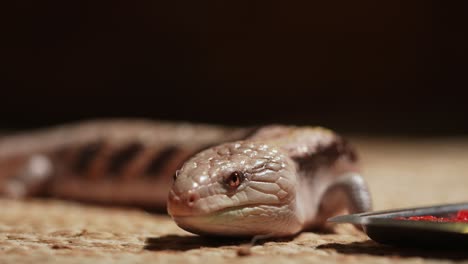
(400, 173)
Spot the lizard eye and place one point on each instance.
(235, 179)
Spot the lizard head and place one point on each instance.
(236, 189)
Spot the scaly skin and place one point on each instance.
(286, 179)
(284, 187)
(117, 162)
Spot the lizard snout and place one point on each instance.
(182, 204)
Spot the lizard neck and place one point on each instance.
(320, 155)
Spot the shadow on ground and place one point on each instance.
(372, 248)
(184, 243)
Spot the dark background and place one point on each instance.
(396, 67)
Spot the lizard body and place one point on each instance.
(274, 180)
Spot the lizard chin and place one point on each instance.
(245, 221)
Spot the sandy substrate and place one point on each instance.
(400, 173)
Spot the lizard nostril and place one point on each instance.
(192, 198)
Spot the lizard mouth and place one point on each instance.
(242, 220)
(221, 211)
(218, 211)
(190, 204)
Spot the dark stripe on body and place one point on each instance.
(160, 159)
(86, 155)
(121, 158)
(327, 155)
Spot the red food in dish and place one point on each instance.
(461, 216)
